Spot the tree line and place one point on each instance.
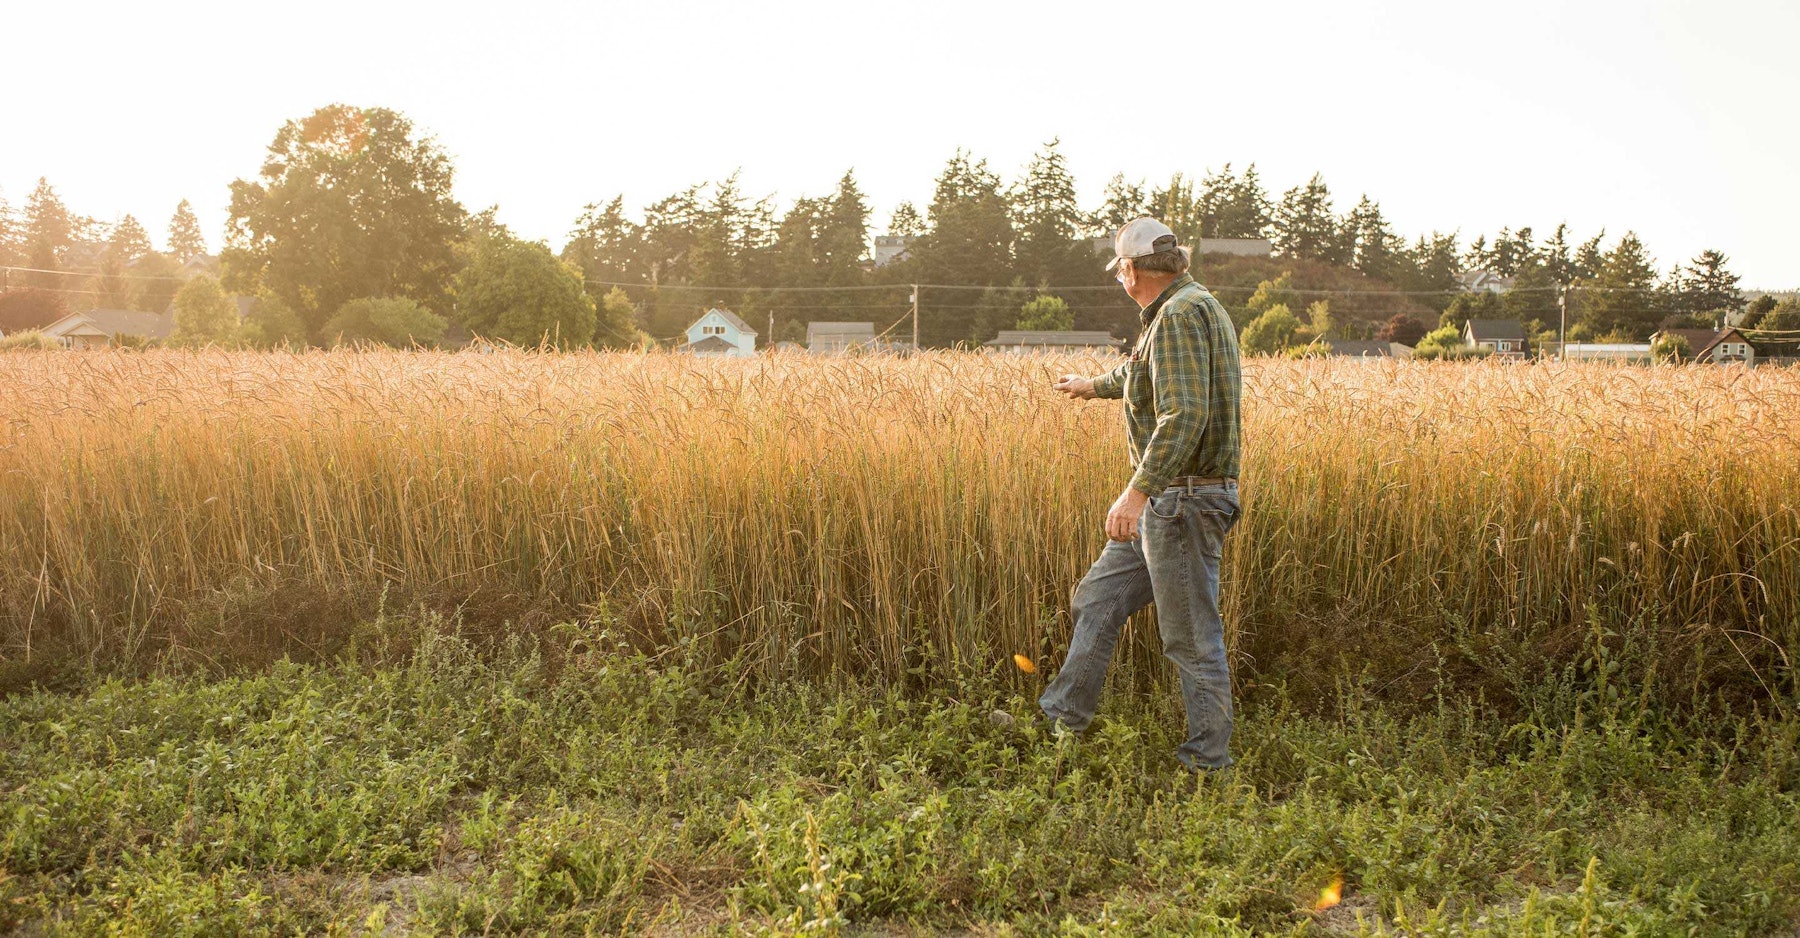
(350, 232)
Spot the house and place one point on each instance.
(1484, 281)
(1025, 342)
(98, 328)
(1369, 350)
(890, 249)
(1505, 338)
(720, 331)
(835, 338)
(1713, 345)
(1237, 247)
(1627, 352)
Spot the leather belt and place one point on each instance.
(1188, 482)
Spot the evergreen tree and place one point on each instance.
(1122, 202)
(49, 233)
(603, 245)
(1704, 286)
(129, 241)
(844, 233)
(1304, 224)
(185, 238)
(1239, 208)
(905, 222)
(969, 242)
(1589, 258)
(1557, 258)
(12, 236)
(1178, 206)
(1375, 249)
(1431, 268)
(1049, 220)
(1622, 299)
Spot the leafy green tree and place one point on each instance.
(518, 292)
(395, 321)
(30, 309)
(1269, 294)
(1305, 226)
(1443, 342)
(271, 323)
(204, 315)
(1320, 325)
(1049, 220)
(1271, 332)
(153, 281)
(1779, 331)
(1758, 308)
(1046, 313)
(1670, 348)
(615, 321)
(1402, 329)
(185, 237)
(351, 202)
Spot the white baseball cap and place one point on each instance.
(1141, 237)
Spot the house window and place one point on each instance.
(1506, 346)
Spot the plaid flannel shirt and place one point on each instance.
(1183, 387)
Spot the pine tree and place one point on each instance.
(1178, 206)
(129, 241)
(12, 236)
(603, 243)
(1304, 224)
(1122, 202)
(844, 234)
(1049, 220)
(905, 221)
(1375, 249)
(1705, 286)
(185, 239)
(49, 233)
(1622, 299)
(969, 242)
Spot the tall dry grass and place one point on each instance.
(875, 516)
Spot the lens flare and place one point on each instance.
(1331, 895)
(1025, 664)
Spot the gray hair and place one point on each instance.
(1168, 262)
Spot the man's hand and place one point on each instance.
(1076, 387)
(1122, 520)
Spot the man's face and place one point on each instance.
(1126, 276)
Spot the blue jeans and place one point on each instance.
(1175, 562)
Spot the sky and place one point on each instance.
(1673, 118)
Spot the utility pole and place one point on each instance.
(915, 316)
(1562, 331)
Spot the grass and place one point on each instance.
(560, 786)
(887, 519)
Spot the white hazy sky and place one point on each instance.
(1675, 118)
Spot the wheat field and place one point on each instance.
(883, 518)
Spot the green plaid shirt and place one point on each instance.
(1182, 387)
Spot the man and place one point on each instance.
(1167, 529)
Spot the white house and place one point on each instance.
(98, 328)
(720, 331)
(1719, 346)
(838, 337)
(890, 248)
(1026, 342)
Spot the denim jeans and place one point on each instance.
(1175, 562)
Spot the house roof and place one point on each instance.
(1028, 337)
(1362, 349)
(112, 322)
(733, 318)
(707, 346)
(1696, 339)
(1493, 330)
(839, 328)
